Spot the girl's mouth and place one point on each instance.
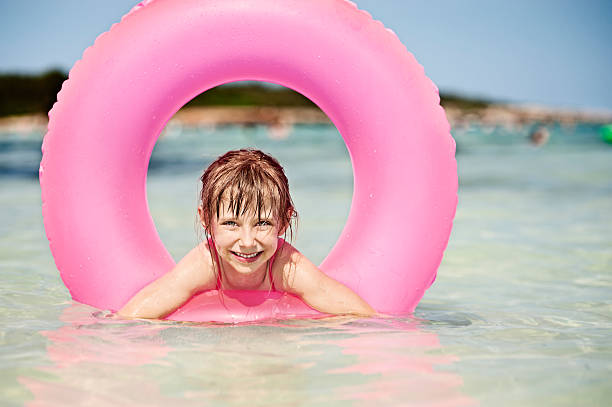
(246, 257)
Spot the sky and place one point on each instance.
(556, 53)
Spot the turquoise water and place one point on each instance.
(521, 312)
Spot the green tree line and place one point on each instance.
(22, 94)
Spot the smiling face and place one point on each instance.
(245, 242)
(245, 206)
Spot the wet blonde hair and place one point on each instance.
(248, 180)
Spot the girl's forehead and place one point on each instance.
(228, 209)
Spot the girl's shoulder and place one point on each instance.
(285, 255)
(197, 267)
(290, 267)
(202, 253)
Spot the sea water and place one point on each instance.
(521, 312)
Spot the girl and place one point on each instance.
(245, 208)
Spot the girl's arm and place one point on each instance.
(194, 273)
(300, 277)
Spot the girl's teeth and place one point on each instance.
(246, 256)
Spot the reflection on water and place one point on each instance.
(96, 360)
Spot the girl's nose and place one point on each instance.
(247, 237)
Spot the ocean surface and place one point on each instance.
(520, 314)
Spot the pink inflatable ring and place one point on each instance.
(163, 53)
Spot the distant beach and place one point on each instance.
(24, 99)
(493, 114)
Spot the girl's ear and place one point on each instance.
(201, 215)
(281, 232)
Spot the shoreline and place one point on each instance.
(512, 115)
(495, 114)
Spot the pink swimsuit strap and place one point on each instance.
(211, 243)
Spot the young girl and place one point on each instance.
(245, 209)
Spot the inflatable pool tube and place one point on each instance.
(163, 53)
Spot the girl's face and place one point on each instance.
(245, 243)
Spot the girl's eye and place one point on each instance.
(263, 223)
(230, 223)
